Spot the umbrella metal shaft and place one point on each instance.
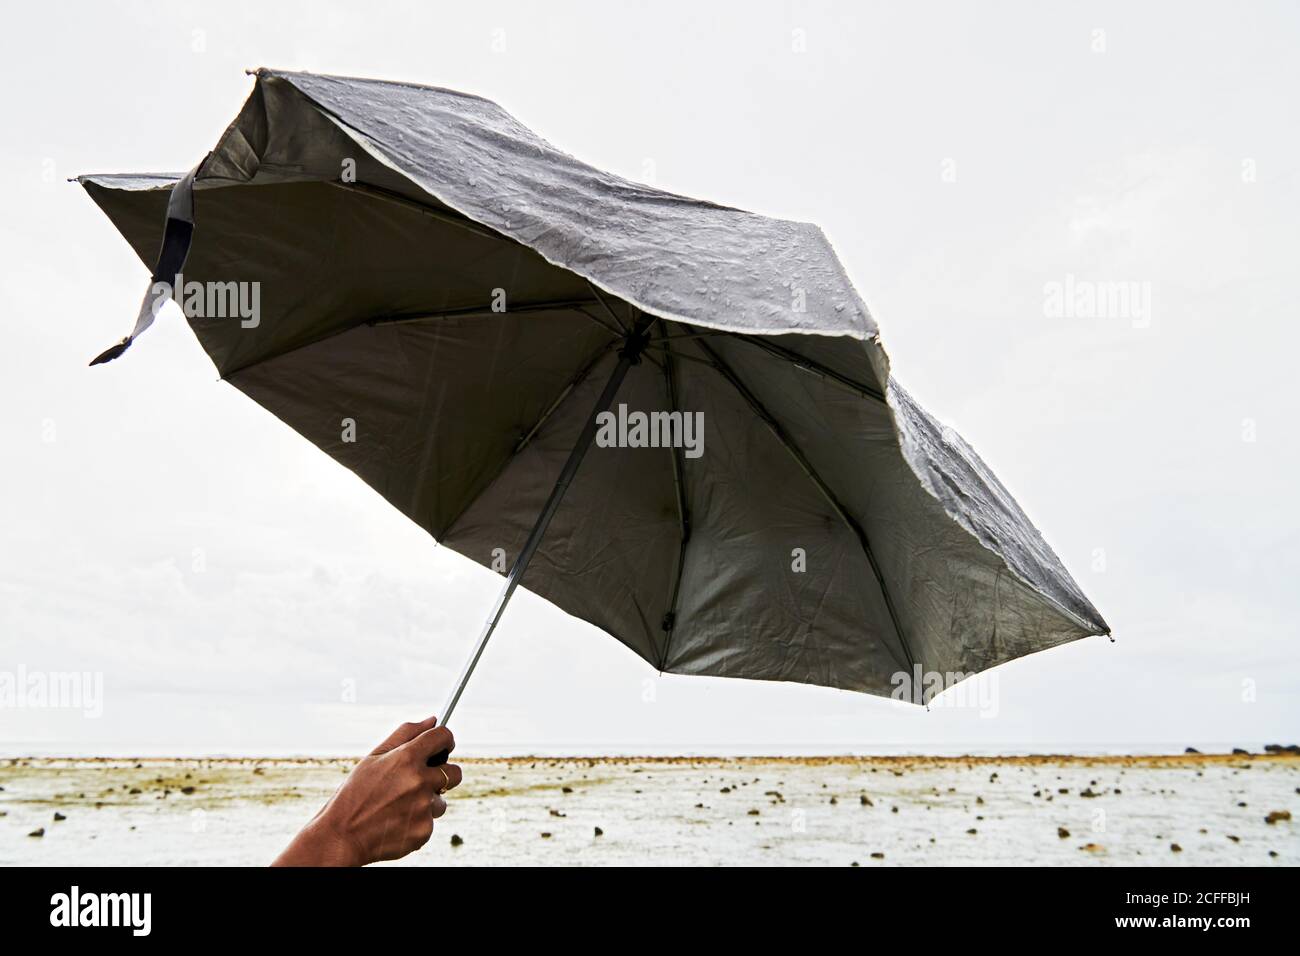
(628, 356)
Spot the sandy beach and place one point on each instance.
(871, 811)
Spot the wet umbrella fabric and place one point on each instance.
(470, 298)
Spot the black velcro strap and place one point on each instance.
(178, 233)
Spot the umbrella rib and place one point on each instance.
(448, 217)
(568, 305)
(766, 417)
(861, 389)
(550, 305)
(564, 393)
(601, 299)
(683, 510)
(599, 321)
(816, 368)
(665, 350)
(554, 305)
(712, 333)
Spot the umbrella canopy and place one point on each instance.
(445, 301)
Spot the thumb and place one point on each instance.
(405, 733)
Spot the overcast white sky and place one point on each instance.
(1159, 458)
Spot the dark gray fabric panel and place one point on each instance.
(438, 407)
(609, 553)
(328, 258)
(745, 610)
(957, 477)
(959, 607)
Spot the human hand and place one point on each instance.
(386, 807)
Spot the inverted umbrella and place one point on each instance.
(463, 315)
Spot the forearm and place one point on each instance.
(318, 844)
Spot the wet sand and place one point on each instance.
(1208, 810)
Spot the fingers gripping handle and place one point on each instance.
(442, 756)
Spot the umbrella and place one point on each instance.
(675, 417)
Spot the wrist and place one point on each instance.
(321, 843)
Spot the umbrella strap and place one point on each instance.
(178, 233)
